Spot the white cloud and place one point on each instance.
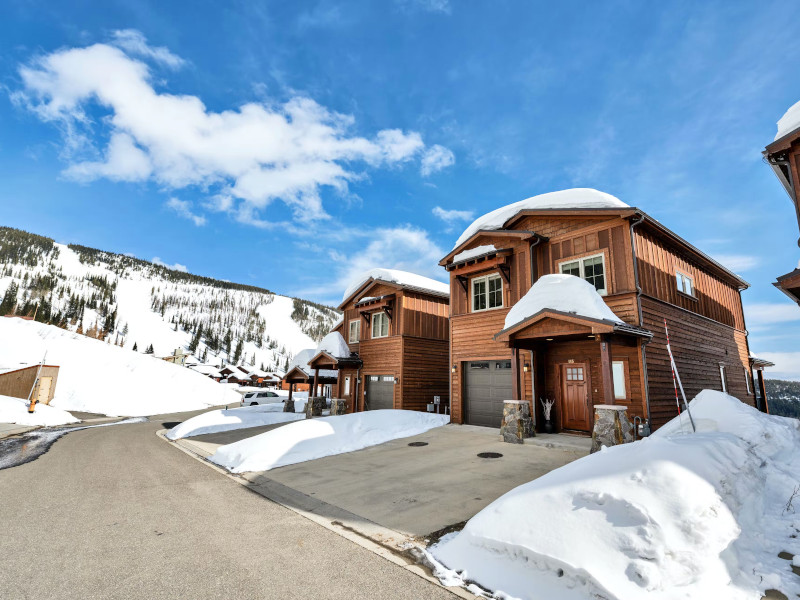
(737, 262)
(249, 156)
(435, 159)
(765, 314)
(184, 209)
(787, 365)
(452, 216)
(176, 267)
(435, 6)
(134, 42)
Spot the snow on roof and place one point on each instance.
(472, 252)
(402, 278)
(301, 359)
(564, 199)
(789, 121)
(334, 344)
(564, 293)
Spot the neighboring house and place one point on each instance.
(209, 371)
(178, 357)
(783, 155)
(644, 274)
(395, 326)
(20, 383)
(301, 377)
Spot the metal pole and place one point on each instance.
(35, 381)
(676, 379)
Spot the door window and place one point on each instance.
(574, 373)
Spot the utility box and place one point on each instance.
(18, 383)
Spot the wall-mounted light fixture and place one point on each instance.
(453, 369)
(548, 339)
(396, 380)
(526, 367)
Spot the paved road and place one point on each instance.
(115, 512)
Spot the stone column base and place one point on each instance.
(338, 406)
(611, 426)
(288, 406)
(517, 423)
(315, 406)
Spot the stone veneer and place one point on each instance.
(517, 423)
(338, 406)
(315, 406)
(611, 426)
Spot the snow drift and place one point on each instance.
(214, 421)
(102, 378)
(15, 410)
(677, 515)
(309, 440)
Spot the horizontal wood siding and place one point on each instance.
(426, 372)
(699, 346)
(381, 357)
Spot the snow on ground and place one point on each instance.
(15, 410)
(677, 515)
(789, 121)
(102, 378)
(565, 293)
(234, 418)
(398, 277)
(316, 438)
(278, 315)
(564, 199)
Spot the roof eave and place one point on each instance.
(497, 232)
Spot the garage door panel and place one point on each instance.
(380, 392)
(488, 385)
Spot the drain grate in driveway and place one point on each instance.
(489, 455)
(418, 444)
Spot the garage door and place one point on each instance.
(488, 384)
(380, 392)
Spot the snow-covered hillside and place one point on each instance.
(130, 302)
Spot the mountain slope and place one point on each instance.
(131, 302)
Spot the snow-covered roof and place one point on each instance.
(564, 199)
(789, 121)
(301, 359)
(334, 344)
(472, 252)
(402, 278)
(564, 293)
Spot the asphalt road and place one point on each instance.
(115, 512)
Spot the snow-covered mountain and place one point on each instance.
(135, 303)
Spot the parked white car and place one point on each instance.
(255, 398)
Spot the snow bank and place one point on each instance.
(102, 378)
(674, 516)
(15, 410)
(233, 418)
(564, 199)
(789, 122)
(308, 440)
(398, 277)
(476, 251)
(334, 344)
(565, 293)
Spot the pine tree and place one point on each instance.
(196, 339)
(238, 353)
(9, 299)
(149, 350)
(135, 347)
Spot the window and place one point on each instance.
(380, 325)
(574, 373)
(590, 268)
(479, 365)
(487, 292)
(685, 283)
(355, 331)
(347, 384)
(506, 364)
(722, 378)
(618, 372)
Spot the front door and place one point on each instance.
(44, 390)
(575, 397)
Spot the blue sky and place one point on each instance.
(386, 125)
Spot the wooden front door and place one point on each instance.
(44, 390)
(575, 397)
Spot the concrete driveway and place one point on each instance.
(413, 490)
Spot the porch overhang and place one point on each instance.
(325, 361)
(499, 233)
(368, 306)
(549, 323)
(789, 284)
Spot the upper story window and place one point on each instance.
(591, 268)
(487, 292)
(685, 283)
(380, 325)
(355, 331)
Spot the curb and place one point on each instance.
(398, 548)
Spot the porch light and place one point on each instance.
(526, 367)
(548, 339)
(397, 380)
(453, 369)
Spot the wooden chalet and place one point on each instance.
(783, 155)
(300, 376)
(395, 326)
(645, 274)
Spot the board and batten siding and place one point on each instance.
(425, 372)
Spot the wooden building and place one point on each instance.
(645, 274)
(783, 155)
(19, 382)
(395, 326)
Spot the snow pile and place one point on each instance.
(564, 199)
(234, 418)
(564, 293)
(677, 515)
(334, 344)
(102, 378)
(789, 122)
(15, 410)
(309, 440)
(399, 277)
(472, 252)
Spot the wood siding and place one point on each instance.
(425, 372)
(18, 383)
(381, 357)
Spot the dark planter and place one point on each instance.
(548, 426)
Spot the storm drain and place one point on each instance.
(489, 455)
(418, 444)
